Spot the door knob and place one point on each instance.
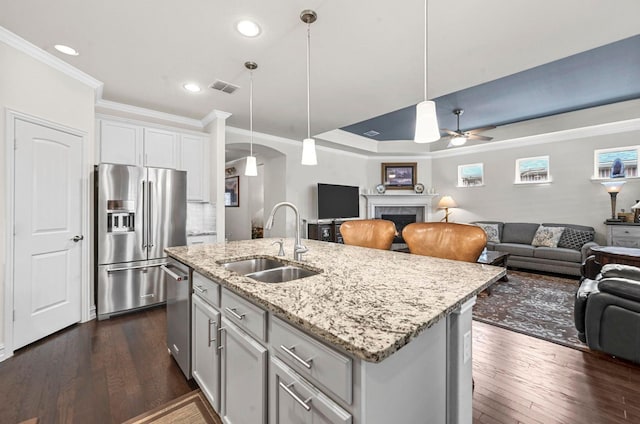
(77, 238)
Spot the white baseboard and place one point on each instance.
(92, 312)
(2, 358)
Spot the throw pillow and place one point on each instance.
(547, 236)
(492, 232)
(574, 239)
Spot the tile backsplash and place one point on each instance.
(201, 218)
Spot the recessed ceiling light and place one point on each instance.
(66, 50)
(248, 28)
(193, 87)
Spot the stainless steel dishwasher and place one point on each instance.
(178, 287)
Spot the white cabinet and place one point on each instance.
(244, 374)
(205, 358)
(129, 143)
(194, 154)
(120, 143)
(293, 400)
(160, 148)
(623, 235)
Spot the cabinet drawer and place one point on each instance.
(244, 313)
(294, 399)
(312, 359)
(625, 231)
(206, 289)
(204, 239)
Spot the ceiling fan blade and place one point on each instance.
(479, 137)
(451, 133)
(479, 130)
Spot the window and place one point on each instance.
(533, 170)
(621, 162)
(471, 175)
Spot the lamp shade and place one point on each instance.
(613, 186)
(427, 130)
(309, 152)
(251, 168)
(447, 202)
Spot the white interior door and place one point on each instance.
(48, 216)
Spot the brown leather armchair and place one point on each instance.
(374, 233)
(460, 242)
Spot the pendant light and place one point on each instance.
(308, 144)
(251, 168)
(427, 130)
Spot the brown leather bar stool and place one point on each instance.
(460, 242)
(373, 233)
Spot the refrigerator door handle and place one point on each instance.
(149, 212)
(144, 244)
(135, 267)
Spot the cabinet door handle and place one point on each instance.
(199, 289)
(233, 312)
(210, 339)
(291, 352)
(220, 330)
(303, 403)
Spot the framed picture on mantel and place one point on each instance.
(232, 192)
(399, 176)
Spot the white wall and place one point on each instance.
(238, 219)
(572, 197)
(32, 87)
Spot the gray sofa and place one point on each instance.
(516, 238)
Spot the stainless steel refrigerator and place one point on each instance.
(139, 212)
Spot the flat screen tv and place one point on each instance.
(338, 201)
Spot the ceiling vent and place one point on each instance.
(371, 133)
(225, 87)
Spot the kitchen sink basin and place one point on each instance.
(281, 274)
(248, 266)
(268, 270)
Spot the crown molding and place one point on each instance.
(149, 113)
(213, 115)
(290, 142)
(47, 58)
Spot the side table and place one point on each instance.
(496, 258)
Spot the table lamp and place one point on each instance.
(613, 188)
(445, 203)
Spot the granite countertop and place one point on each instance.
(368, 302)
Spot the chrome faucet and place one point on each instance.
(298, 248)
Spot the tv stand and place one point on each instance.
(325, 231)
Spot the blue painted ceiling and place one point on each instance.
(596, 77)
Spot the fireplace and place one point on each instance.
(401, 221)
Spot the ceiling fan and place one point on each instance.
(459, 138)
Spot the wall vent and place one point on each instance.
(371, 133)
(225, 87)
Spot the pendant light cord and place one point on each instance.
(308, 79)
(251, 110)
(426, 69)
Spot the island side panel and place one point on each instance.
(459, 365)
(409, 386)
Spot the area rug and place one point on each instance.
(191, 408)
(537, 305)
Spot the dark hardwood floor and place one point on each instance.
(110, 371)
(97, 372)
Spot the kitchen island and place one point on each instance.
(399, 324)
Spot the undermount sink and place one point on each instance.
(268, 270)
(247, 266)
(282, 274)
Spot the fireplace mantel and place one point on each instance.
(401, 201)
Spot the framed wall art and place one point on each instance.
(471, 175)
(399, 176)
(620, 162)
(533, 170)
(232, 192)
